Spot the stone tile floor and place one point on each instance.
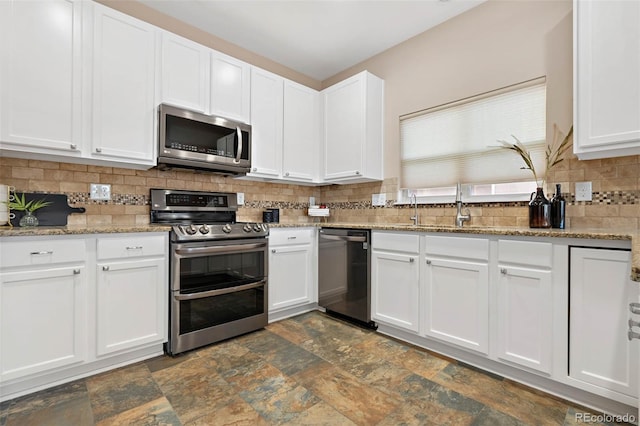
(308, 370)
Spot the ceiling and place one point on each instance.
(318, 38)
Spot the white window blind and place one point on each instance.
(457, 142)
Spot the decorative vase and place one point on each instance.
(539, 210)
(558, 207)
(29, 219)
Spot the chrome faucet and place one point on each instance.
(461, 218)
(414, 201)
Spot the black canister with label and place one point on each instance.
(276, 215)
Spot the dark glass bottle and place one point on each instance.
(539, 210)
(558, 206)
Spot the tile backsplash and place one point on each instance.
(615, 204)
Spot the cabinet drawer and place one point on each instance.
(470, 248)
(133, 246)
(525, 253)
(41, 252)
(404, 242)
(289, 236)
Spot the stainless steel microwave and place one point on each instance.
(189, 139)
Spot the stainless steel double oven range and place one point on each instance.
(218, 268)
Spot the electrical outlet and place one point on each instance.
(583, 191)
(100, 191)
(240, 198)
(378, 200)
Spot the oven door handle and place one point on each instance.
(197, 251)
(211, 293)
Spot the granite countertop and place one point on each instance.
(588, 233)
(632, 235)
(6, 231)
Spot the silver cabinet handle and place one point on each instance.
(503, 271)
(98, 149)
(134, 248)
(105, 268)
(428, 262)
(76, 271)
(633, 335)
(73, 146)
(634, 307)
(291, 238)
(40, 253)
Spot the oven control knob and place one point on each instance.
(246, 228)
(257, 227)
(204, 229)
(226, 228)
(191, 229)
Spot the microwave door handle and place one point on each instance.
(239, 154)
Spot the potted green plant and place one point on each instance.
(19, 203)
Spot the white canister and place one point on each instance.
(5, 196)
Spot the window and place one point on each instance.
(457, 142)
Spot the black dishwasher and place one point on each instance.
(344, 274)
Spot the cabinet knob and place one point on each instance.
(633, 335)
(411, 260)
(255, 169)
(98, 149)
(634, 307)
(76, 271)
(358, 172)
(105, 268)
(503, 271)
(633, 323)
(273, 250)
(73, 146)
(428, 262)
(286, 174)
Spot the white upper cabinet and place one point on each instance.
(230, 87)
(266, 124)
(123, 65)
(301, 133)
(353, 130)
(40, 83)
(184, 73)
(606, 78)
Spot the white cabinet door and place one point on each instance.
(601, 290)
(607, 94)
(301, 133)
(353, 116)
(131, 304)
(123, 88)
(230, 87)
(395, 289)
(457, 303)
(43, 319)
(184, 73)
(290, 276)
(41, 76)
(525, 317)
(266, 124)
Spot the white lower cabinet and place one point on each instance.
(292, 270)
(524, 304)
(601, 358)
(43, 319)
(395, 280)
(71, 305)
(456, 291)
